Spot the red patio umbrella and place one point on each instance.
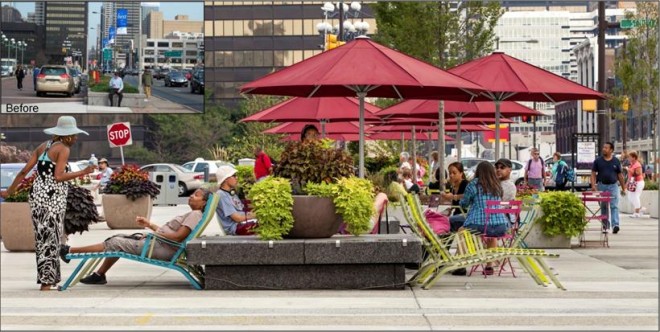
(508, 78)
(331, 128)
(363, 67)
(395, 136)
(323, 110)
(336, 137)
(459, 110)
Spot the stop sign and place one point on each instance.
(119, 134)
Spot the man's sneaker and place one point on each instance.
(459, 272)
(615, 229)
(634, 215)
(64, 250)
(94, 279)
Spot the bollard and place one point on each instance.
(206, 173)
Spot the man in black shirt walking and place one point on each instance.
(605, 174)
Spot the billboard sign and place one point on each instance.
(112, 32)
(122, 21)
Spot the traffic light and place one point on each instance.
(526, 118)
(625, 104)
(332, 42)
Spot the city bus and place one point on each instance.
(8, 66)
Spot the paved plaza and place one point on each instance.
(612, 288)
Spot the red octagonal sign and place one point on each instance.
(119, 134)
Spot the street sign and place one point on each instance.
(107, 54)
(634, 23)
(173, 54)
(119, 134)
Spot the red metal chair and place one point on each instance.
(511, 209)
(596, 213)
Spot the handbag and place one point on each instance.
(632, 185)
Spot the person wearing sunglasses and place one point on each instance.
(503, 170)
(535, 171)
(230, 209)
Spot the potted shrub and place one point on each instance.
(16, 226)
(273, 206)
(128, 194)
(318, 215)
(650, 198)
(560, 218)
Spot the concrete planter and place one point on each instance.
(16, 226)
(120, 212)
(537, 240)
(129, 100)
(314, 217)
(649, 200)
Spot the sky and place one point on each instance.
(194, 10)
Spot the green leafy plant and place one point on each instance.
(650, 185)
(132, 182)
(563, 214)
(245, 180)
(272, 204)
(353, 198)
(80, 210)
(313, 161)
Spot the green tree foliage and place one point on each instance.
(432, 32)
(635, 70)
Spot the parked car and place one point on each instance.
(582, 173)
(197, 82)
(517, 171)
(8, 172)
(199, 164)
(160, 74)
(176, 78)
(188, 180)
(55, 79)
(77, 79)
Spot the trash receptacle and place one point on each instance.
(168, 182)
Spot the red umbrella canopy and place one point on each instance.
(315, 109)
(448, 121)
(394, 136)
(428, 109)
(336, 137)
(423, 128)
(330, 128)
(363, 65)
(508, 78)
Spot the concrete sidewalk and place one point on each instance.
(612, 288)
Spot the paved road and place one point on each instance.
(11, 95)
(178, 95)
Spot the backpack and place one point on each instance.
(570, 174)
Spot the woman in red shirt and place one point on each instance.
(635, 183)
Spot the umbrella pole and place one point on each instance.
(441, 142)
(323, 128)
(403, 142)
(414, 156)
(459, 141)
(497, 129)
(361, 96)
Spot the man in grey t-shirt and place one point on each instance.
(503, 170)
(230, 208)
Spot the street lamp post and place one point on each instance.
(345, 30)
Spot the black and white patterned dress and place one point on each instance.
(48, 206)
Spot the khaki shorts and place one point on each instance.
(133, 244)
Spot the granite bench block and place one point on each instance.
(364, 249)
(255, 277)
(244, 250)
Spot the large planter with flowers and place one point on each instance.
(16, 219)
(128, 194)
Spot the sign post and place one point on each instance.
(119, 135)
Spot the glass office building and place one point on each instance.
(247, 40)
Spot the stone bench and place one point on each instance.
(129, 100)
(339, 262)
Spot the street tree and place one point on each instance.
(437, 33)
(636, 72)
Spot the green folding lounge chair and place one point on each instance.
(193, 273)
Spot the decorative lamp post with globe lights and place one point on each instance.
(344, 31)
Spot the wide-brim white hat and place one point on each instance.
(66, 126)
(223, 173)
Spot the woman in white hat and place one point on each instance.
(48, 196)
